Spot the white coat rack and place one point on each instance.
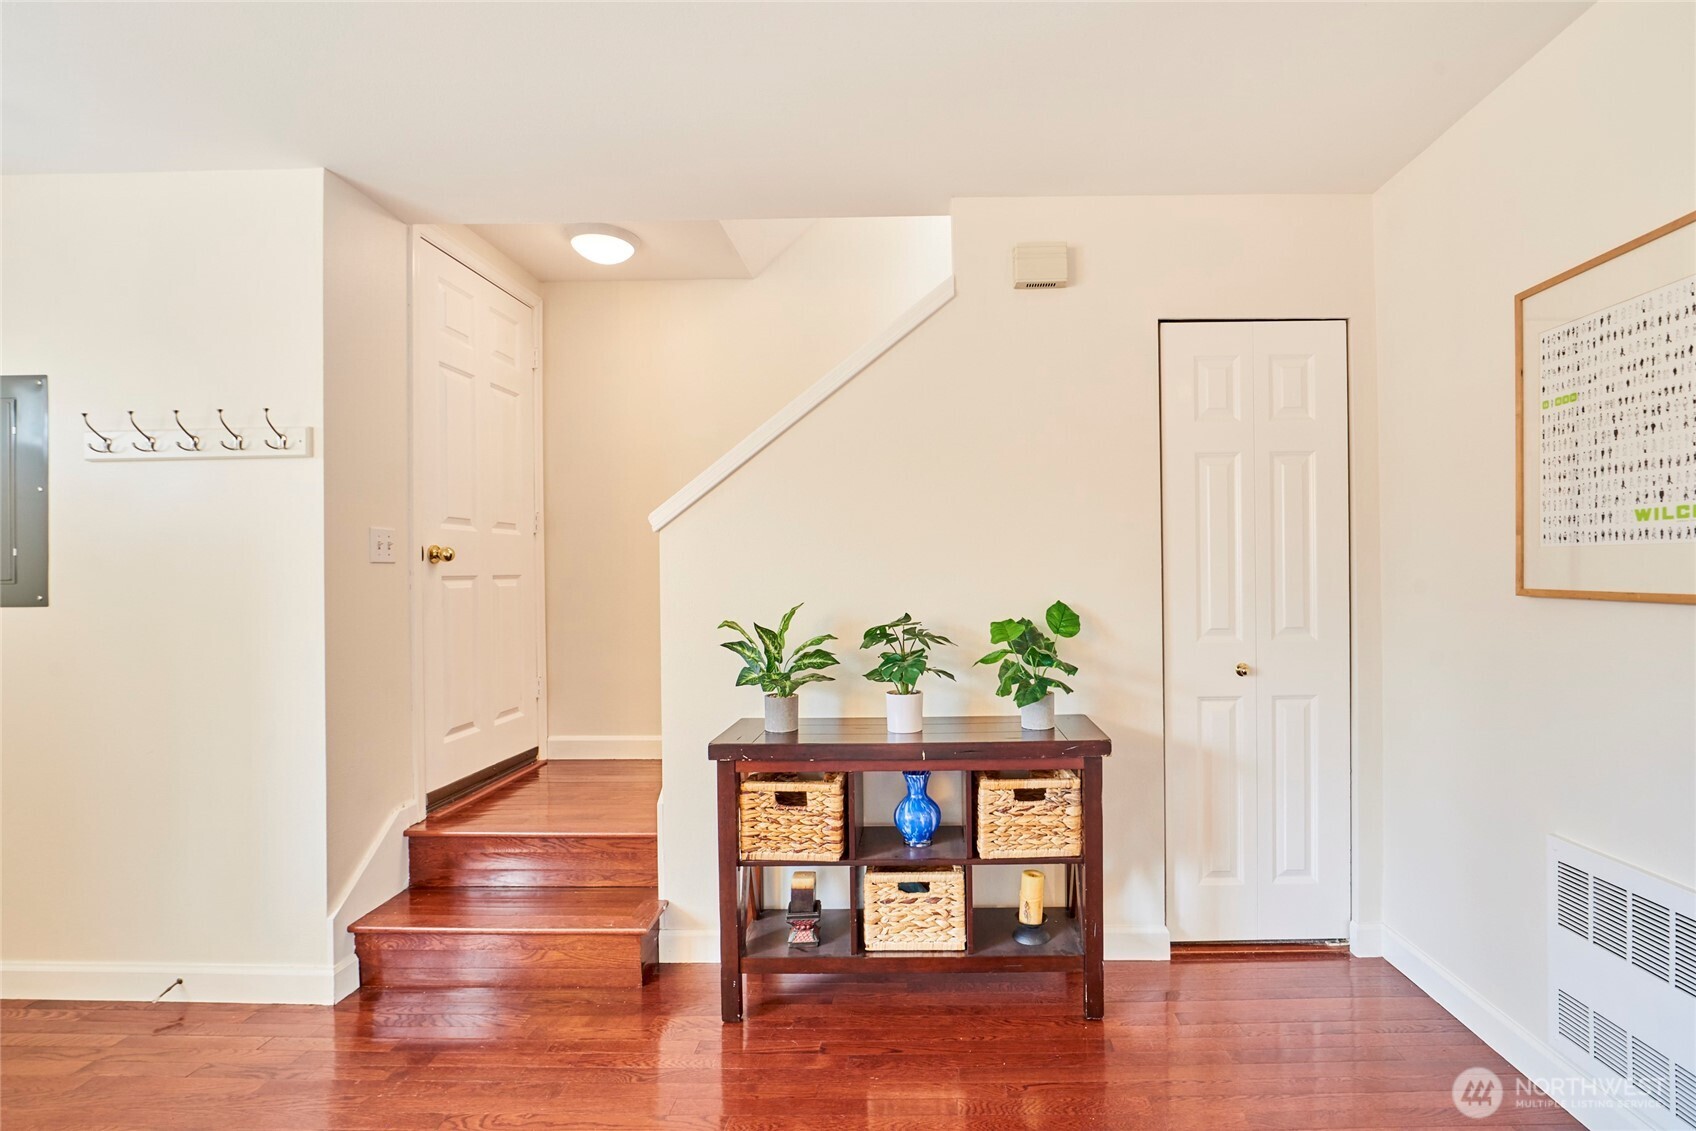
(159, 439)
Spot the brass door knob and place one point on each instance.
(1242, 669)
(436, 555)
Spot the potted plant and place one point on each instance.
(906, 645)
(1028, 658)
(766, 666)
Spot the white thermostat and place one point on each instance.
(1039, 266)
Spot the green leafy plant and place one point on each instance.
(764, 661)
(906, 653)
(1030, 656)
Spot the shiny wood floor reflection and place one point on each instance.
(1337, 1043)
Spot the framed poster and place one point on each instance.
(1606, 423)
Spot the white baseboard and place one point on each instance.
(1139, 944)
(143, 981)
(345, 977)
(1592, 1104)
(603, 746)
(1366, 940)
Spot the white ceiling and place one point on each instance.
(670, 249)
(510, 113)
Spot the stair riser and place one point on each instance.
(505, 861)
(422, 960)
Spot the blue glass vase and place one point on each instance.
(917, 816)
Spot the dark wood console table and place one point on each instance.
(754, 940)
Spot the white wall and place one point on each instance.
(162, 749)
(367, 624)
(1509, 718)
(647, 384)
(1003, 455)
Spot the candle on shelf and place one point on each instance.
(1030, 897)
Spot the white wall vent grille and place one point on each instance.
(1651, 937)
(1572, 899)
(1622, 980)
(1684, 954)
(1607, 912)
(1573, 1020)
(1649, 1071)
(1611, 1046)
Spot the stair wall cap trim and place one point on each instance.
(809, 399)
(403, 815)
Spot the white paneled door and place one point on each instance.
(1254, 450)
(476, 521)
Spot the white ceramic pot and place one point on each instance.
(783, 714)
(906, 712)
(1039, 715)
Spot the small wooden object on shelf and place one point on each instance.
(755, 940)
(803, 911)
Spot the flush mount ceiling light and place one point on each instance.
(603, 243)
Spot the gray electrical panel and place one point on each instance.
(23, 491)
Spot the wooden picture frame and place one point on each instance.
(1596, 553)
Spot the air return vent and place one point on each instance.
(1607, 916)
(1573, 1020)
(1622, 983)
(1650, 1071)
(1611, 1048)
(1684, 1094)
(1572, 899)
(1651, 937)
(1684, 954)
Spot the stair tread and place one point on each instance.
(581, 797)
(497, 910)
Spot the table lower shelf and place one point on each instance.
(767, 949)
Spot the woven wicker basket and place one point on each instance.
(931, 919)
(790, 817)
(1039, 814)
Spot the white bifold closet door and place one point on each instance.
(1254, 426)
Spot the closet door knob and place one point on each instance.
(1242, 669)
(436, 555)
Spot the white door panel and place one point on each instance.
(1255, 481)
(474, 389)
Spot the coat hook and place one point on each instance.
(104, 439)
(195, 440)
(282, 447)
(152, 441)
(241, 441)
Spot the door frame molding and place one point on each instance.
(1349, 498)
(419, 235)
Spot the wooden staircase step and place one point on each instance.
(531, 938)
(504, 860)
(562, 798)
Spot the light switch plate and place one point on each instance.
(382, 544)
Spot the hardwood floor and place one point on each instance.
(1308, 1043)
